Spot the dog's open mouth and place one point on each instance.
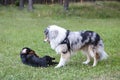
(46, 40)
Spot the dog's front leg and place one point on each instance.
(64, 58)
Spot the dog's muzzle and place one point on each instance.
(46, 32)
(46, 40)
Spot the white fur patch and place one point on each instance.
(61, 48)
(61, 34)
(24, 50)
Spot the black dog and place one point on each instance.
(29, 57)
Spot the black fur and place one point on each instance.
(66, 41)
(31, 58)
(93, 39)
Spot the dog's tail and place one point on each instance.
(100, 51)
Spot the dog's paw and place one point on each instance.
(93, 65)
(58, 66)
(86, 62)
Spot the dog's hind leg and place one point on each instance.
(93, 54)
(64, 58)
(88, 57)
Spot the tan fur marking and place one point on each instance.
(33, 52)
(97, 56)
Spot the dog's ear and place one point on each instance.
(53, 34)
(33, 52)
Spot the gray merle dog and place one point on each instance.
(66, 43)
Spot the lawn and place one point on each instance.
(19, 29)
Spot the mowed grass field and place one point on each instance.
(20, 29)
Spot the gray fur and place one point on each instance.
(87, 41)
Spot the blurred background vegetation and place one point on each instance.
(65, 3)
(67, 8)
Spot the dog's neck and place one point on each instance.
(64, 41)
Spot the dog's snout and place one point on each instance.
(45, 40)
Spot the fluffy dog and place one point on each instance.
(66, 43)
(29, 57)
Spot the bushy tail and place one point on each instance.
(101, 52)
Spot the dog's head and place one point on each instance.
(52, 32)
(27, 50)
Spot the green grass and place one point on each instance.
(22, 28)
